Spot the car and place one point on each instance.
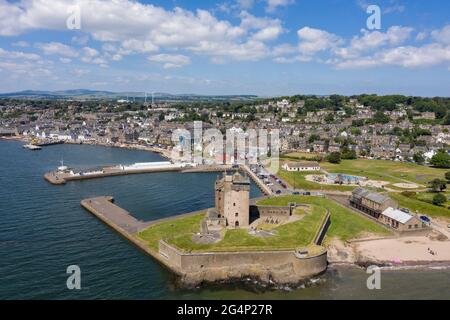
(296, 193)
(425, 218)
(307, 193)
(278, 192)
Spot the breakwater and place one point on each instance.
(62, 177)
(278, 266)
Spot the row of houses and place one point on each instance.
(385, 210)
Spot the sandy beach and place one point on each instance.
(401, 250)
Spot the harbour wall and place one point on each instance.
(279, 266)
(193, 268)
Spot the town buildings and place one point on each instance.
(385, 211)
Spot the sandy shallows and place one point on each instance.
(405, 249)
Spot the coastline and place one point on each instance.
(357, 259)
(351, 254)
(165, 153)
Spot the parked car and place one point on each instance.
(296, 193)
(278, 192)
(425, 218)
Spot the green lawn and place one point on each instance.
(386, 170)
(345, 224)
(420, 206)
(171, 229)
(289, 236)
(301, 155)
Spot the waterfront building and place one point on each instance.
(372, 203)
(400, 220)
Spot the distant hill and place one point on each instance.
(138, 96)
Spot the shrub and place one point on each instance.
(439, 199)
(409, 194)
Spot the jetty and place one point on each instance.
(116, 217)
(60, 177)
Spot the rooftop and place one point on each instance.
(397, 215)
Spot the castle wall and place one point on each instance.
(281, 266)
(282, 212)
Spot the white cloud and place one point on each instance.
(272, 5)
(90, 52)
(394, 8)
(20, 64)
(299, 58)
(80, 72)
(134, 27)
(315, 40)
(442, 35)
(283, 49)
(65, 60)
(21, 44)
(245, 4)
(81, 40)
(371, 40)
(421, 36)
(171, 60)
(407, 57)
(57, 48)
(4, 54)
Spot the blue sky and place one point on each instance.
(263, 47)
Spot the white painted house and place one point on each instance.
(302, 166)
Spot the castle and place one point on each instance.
(232, 205)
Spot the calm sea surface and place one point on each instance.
(43, 230)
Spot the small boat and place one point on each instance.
(32, 147)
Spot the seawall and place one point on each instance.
(280, 267)
(193, 268)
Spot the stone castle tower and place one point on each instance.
(233, 199)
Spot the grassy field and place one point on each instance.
(420, 206)
(345, 224)
(301, 155)
(289, 236)
(171, 229)
(391, 171)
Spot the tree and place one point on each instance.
(329, 118)
(439, 199)
(447, 176)
(437, 185)
(441, 160)
(334, 157)
(348, 154)
(313, 137)
(418, 158)
(380, 117)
